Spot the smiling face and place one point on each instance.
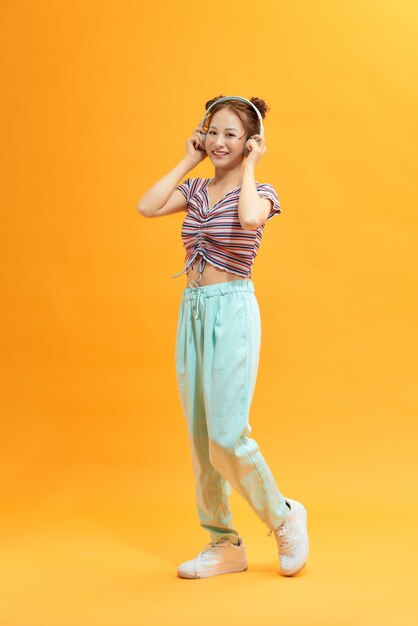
(226, 137)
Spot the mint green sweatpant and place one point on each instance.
(218, 342)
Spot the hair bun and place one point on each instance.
(261, 106)
(210, 102)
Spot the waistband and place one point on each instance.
(216, 289)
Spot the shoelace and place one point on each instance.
(282, 535)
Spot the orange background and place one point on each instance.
(97, 490)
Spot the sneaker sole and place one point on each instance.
(230, 570)
(292, 573)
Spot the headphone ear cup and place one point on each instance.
(202, 138)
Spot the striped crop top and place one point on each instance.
(216, 233)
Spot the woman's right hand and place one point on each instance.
(195, 150)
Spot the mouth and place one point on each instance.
(219, 154)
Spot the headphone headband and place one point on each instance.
(235, 98)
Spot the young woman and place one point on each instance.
(219, 333)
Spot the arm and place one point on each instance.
(162, 198)
(252, 209)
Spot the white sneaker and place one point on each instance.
(221, 557)
(292, 539)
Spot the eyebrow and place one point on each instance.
(225, 128)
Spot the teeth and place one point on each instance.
(220, 153)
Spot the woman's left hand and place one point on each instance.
(257, 147)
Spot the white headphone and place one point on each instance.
(231, 98)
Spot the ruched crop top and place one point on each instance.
(216, 233)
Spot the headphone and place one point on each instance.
(203, 135)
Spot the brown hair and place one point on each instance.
(245, 112)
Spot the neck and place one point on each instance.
(227, 178)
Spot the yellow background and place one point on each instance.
(97, 491)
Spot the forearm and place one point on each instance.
(250, 206)
(157, 195)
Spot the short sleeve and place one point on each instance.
(268, 191)
(184, 187)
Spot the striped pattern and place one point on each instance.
(217, 233)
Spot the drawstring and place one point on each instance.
(197, 288)
(190, 262)
(195, 302)
(185, 267)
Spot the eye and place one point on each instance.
(230, 134)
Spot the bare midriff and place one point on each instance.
(210, 275)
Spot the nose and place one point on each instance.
(218, 144)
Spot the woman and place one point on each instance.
(219, 333)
